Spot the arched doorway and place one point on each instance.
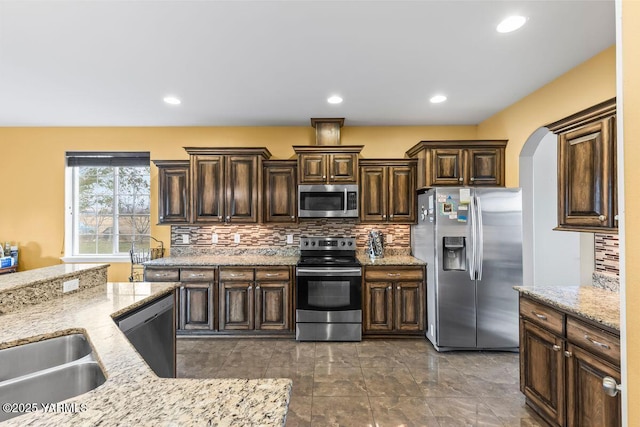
(550, 258)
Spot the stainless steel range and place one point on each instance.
(328, 290)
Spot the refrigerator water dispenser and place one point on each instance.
(454, 254)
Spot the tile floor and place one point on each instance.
(373, 382)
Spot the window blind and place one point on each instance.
(107, 158)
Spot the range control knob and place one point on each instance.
(306, 243)
(342, 243)
(350, 243)
(313, 243)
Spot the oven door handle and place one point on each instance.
(329, 272)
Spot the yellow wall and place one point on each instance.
(587, 84)
(631, 136)
(32, 167)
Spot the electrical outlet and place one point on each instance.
(185, 239)
(289, 239)
(236, 238)
(389, 238)
(70, 285)
(214, 238)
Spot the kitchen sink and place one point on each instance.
(27, 358)
(46, 372)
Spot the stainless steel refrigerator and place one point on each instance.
(471, 240)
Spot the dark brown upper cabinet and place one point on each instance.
(226, 184)
(460, 162)
(280, 193)
(388, 190)
(336, 164)
(587, 195)
(173, 191)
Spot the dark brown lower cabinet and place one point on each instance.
(542, 370)
(562, 371)
(255, 299)
(196, 307)
(394, 300)
(587, 405)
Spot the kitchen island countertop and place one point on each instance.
(133, 394)
(593, 303)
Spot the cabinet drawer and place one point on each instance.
(280, 273)
(197, 275)
(594, 339)
(393, 274)
(231, 274)
(542, 315)
(161, 275)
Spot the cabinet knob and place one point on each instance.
(249, 288)
(293, 217)
(332, 176)
(324, 176)
(602, 218)
(568, 354)
(556, 347)
(615, 217)
(461, 179)
(398, 288)
(257, 288)
(610, 386)
(391, 216)
(383, 216)
(389, 287)
(472, 179)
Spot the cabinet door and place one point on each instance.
(585, 176)
(402, 194)
(242, 189)
(173, 194)
(373, 193)
(447, 166)
(207, 195)
(236, 306)
(312, 168)
(343, 168)
(409, 306)
(378, 307)
(196, 306)
(272, 306)
(587, 403)
(542, 370)
(280, 195)
(484, 167)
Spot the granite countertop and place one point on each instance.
(43, 275)
(390, 260)
(222, 260)
(274, 260)
(590, 302)
(133, 394)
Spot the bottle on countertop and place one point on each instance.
(14, 255)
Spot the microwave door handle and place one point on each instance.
(346, 199)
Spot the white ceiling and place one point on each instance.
(250, 63)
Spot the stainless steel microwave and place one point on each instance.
(328, 201)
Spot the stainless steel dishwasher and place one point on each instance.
(151, 330)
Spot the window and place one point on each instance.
(108, 204)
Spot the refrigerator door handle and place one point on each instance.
(480, 241)
(472, 241)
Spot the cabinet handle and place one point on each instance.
(568, 354)
(162, 274)
(610, 386)
(556, 347)
(539, 316)
(196, 275)
(602, 218)
(594, 342)
(272, 274)
(393, 274)
(233, 275)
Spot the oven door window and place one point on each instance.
(321, 201)
(329, 293)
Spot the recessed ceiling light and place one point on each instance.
(436, 99)
(334, 99)
(511, 23)
(172, 100)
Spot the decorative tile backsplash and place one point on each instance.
(607, 253)
(275, 236)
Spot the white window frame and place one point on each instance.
(71, 238)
